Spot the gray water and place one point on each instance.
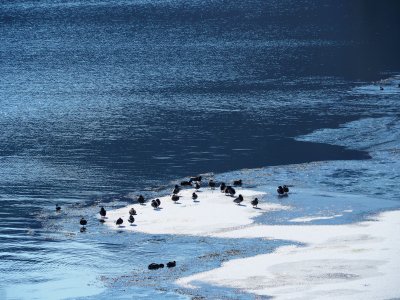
(101, 101)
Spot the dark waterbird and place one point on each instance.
(196, 178)
(158, 201)
(83, 222)
(237, 182)
(131, 219)
(239, 199)
(175, 198)
(155, 204)
(222, 187)
(58, 208)
(381, 88)
(119, 222)
(132, 212)
(103, 212)
(230, 190)
(280, 190)
(176, 190)
(141, 199)
(171, 264)
(211, 184)
(186, 183)
(194, 196)
(197, 186)
(285, 189)
(254, 202)
(154, 266)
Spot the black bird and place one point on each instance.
(239, 199)
(83, 222)
(132, 212)
(194, 196)
(131, 219)
(285, 189)
(140, 199)
(158, 201)
(222, 187)
(176, 190)
(154, 204)
(119, 222)
(381, 88)
(154, 266)
(211, 184)
(171, 264)
(103, 212)
(230, 190)
(280, 190)
(185, 183)
(196, 178)
(197, 186)
(58, 208)
(237, 182)
(175, 198)
(254, 202)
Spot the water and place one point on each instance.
(100, 100)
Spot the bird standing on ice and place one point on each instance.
(131, 219)
(102, 212)
(239, 199)
(254, 202)
(194, 196)
(119, 222)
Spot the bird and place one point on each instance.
(131, 219)
(194, 196)
(132, 212)
(381, 88)
(197, 186)
(254, 202)
(196, 178)
(222, 187)
(140, 199)
(285, 189)
(119, 222)
(154, 204)
(185, 183)
(171, 264)
(239, 199)
(280, 190)
(211, 184)
(154, 266)
(83, 222)
(158, 201)
(175, 198)
(237, 182)
(230, 190)
(102, 212)
(176, 190)
(58, 208)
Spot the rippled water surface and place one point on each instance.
(103, 100)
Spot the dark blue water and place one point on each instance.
(102, 99)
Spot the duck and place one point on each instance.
(58, 208)
(239, 199)
(83, 222)
(154, 266)
(119, 222)
(381, 88)
(211, 184)
(254, 202)
(285, 189)
(185, 183)
(171, 264)
(194, 196)
(158, 201)
(103, 212)
(140, 199)
(237, 182)
(131, 219)
(195, 178)
(132, 212)
(175, 198)
(230, 190)
(222, 187)
(154, 204)
(280, 190)
(176, 190)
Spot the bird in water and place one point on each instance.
(131, 219)
(155, 204)
(171, 264)
(132, 212)
(194, 196)
(254, 202)
(237, 182)
(280, 190)
(119, 222)
(185, 183)
(175, 198)
(222, 187)
(211, 184)
(381, 88)
(103, 212)
(154, 266)
(176, 190)
(58, 208)
(239, 199)
(83, 222)
(285, 189)
(140, 199)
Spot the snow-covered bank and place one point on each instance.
(210, 214)
(346, 261)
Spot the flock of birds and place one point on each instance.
(194, 182)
